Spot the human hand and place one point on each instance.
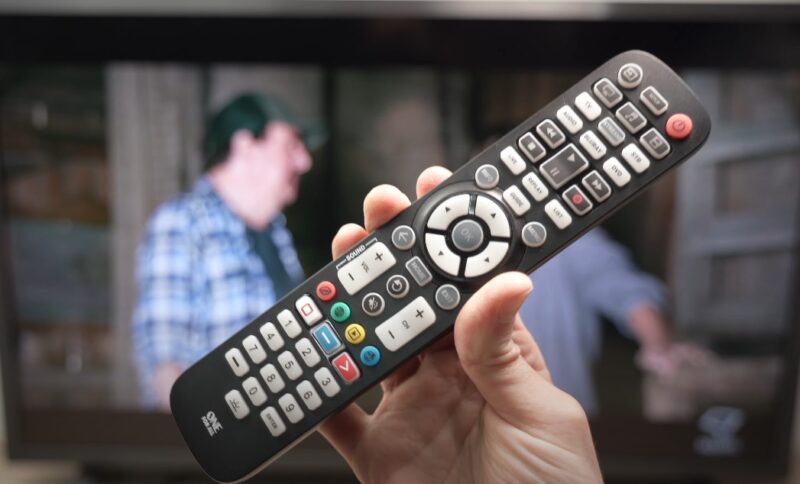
(476, 407)
(666, 361)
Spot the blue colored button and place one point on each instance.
(326, 338)
(370, 356)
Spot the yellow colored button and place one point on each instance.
(355, 333)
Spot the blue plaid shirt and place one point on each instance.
(200, 280)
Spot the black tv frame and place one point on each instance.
(746, 37)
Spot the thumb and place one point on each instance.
(488, 353)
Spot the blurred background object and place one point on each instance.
(102, 108)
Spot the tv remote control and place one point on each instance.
(514, 206)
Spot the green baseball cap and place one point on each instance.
(253, 111)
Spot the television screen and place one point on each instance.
(673, 323)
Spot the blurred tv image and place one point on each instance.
(134, 252)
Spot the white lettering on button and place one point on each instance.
(569, 119)
(308, 309)
(635, 158)
(406, 324)
(588, 106)
(516, 200)
(366, 267)
(512, 160)
(558, 214)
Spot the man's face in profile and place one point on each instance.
(281, 158)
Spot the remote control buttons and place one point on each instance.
(340, 312)
(467, 235)
(237, 404)
(271, 335)
(569, 119)
(366, 267)
(254, 391)
(535, 187)
(447, 297)
(598, 187)
(273, 421)
(512, 160)
(534, 234)
(635, 158)
(326, 338)
(550, 133)
(290, 365)
(397, 286)
(449, 210)
(237, 362)
(406, 324)
(592, 144)
(654, 101)
(490, 212)
(273, 379)
(531, 147)
(308, 310)
(326, 291)
(373, 304)
(254, 349)
(309, 395)
(355, 334)
(563, 166)
(370, 356)
(290, 408)
(403, 237)
(588, 106)
(289, 323)
(418, 271)
(630, 76)
(487, 177)
(444, 258)
(516, 200)
(611, 131)
(489, 258)
(326, 381)
(618, 174)
(629, 116)
(679, 126)
(346, 367)
(577, 200)
(558, 214)
(307, 352)
(655, 144)
(607, 92)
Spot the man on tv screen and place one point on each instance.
(214, 258)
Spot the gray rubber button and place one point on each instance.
(373, 304)
(418, 271)
(630, 75)
(534, 234)
(397, 286)
(447, 297)
(467, 235)
(487, 177)
(403, 237)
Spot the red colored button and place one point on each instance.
(326, 290)
(346, 367)
(679, 126)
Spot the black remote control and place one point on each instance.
(512, 207)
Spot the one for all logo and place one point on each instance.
(212, 424)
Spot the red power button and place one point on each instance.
(679, 126)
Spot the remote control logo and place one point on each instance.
(212, 424)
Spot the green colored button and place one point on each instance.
(340, 312)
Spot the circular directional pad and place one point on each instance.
(467, 235)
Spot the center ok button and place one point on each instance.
(467, 235)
